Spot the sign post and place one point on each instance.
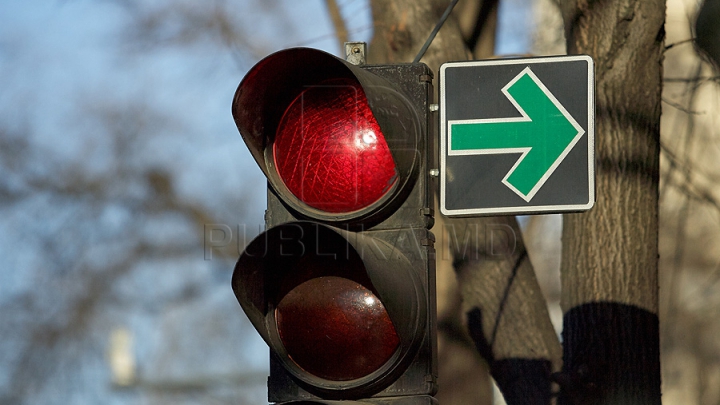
(517, 136)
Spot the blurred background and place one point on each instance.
(120, 163)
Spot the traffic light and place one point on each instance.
(341, 285)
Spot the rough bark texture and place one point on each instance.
(402, 26)
(506, 312)
(503, 306)
(610, 254)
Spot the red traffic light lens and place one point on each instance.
(335, 328)
(329, 150)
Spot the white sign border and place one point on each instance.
(520, 209)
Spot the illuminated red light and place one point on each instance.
(329, 150)
(335, 328)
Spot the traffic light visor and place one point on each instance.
(336, 142)
(328, 307)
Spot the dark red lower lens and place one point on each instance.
(336, 329)
(329, 150)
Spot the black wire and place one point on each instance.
(435, 31)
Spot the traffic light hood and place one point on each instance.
(283, 258)
(274, 84)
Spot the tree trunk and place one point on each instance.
(610, 254)
(505, 310)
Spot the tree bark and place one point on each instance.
(504, 308)
(610, 254)
(506, 312)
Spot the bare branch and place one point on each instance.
(681, 108)
(337, 19)
(670, 46)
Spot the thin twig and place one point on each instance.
(691, 80)
(679, 43)
(681, 108)
(330, 35)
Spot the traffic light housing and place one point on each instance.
(341, 285)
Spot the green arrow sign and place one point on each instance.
(544, 134)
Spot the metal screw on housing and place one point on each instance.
(355, 52)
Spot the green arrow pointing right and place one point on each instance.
(544, 134)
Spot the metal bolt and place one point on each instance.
(355, 52)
